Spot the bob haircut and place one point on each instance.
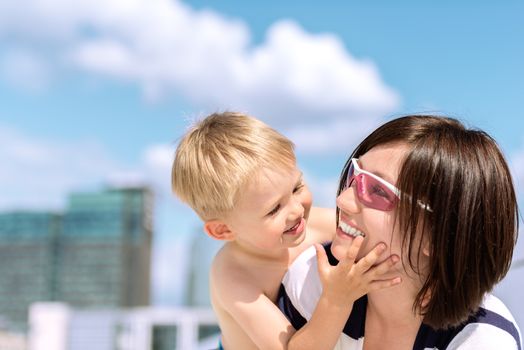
(219, 155)
(472, 224)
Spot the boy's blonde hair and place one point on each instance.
(219, 155)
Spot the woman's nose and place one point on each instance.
(347, 201)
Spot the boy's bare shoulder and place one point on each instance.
(243, 292)
(227, 270)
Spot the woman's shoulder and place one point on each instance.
(492, 327)
(494, 304)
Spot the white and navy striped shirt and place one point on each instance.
(492, 327)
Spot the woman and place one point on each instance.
(442, 196)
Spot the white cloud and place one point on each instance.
(292, 78)
(340, 135)
(40, 173)
(154, 169)
(25, 70)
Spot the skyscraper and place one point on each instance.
(95, 254)
(105, 249)
(27, 266)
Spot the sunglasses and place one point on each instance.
(373, 191)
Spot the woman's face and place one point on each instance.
(376, 225)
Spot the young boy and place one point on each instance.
(240, 176)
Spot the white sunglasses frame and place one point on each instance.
(357, 170)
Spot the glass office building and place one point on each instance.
(95, 254)
(27, 265)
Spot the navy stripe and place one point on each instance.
(286, 306)
(331, 258)
(494, 319)
(428, 337)
(354, 327)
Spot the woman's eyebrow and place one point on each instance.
(379, 174)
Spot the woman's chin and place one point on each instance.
(340, 249)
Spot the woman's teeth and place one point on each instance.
(350, 231)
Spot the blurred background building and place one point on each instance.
(202, 251)
(97, 253)
(104, 251)
(80, 279)
(28, 264)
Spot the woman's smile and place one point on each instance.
(349, 230)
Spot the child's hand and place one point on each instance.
(348, 281)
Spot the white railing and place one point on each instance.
(55, 326)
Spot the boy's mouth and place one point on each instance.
(297, 228)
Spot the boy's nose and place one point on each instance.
(297, 209)
(347, 201)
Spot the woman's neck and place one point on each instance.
(390, 318)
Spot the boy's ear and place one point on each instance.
(218, 230)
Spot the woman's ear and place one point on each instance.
(425, 250)
(218, 230)
(426, 299)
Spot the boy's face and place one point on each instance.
(271, 212)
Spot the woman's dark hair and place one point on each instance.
(471, 224)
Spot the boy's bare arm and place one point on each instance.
(321, 224)
(253, 312)
(342, 285)
(268, 328)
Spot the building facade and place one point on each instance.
(97, 253)
(27, 263)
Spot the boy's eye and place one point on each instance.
(298, 188)
(274, 210)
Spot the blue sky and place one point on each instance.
(97, 92)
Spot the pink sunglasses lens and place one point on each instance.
(374, 194)
(349, 176)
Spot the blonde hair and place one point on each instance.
(218, 156)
